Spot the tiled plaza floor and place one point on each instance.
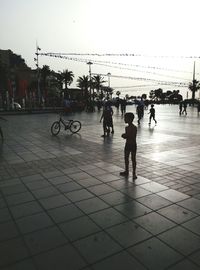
(63, 204)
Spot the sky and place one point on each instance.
(147, 29)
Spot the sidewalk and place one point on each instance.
(63, 204)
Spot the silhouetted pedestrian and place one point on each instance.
(140, 112)
(184, 108)
(123, 106)
(152, 114)
(180, 108)
(130, 146)
(107, 120)
(198, 108)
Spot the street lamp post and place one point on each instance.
(109, 74)
(38, 71)
(90, 76)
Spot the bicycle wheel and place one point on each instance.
(75, 126)
(55, 128)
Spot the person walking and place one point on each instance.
(140, 112)
(130, 145)
(198, 108)
(184, 108)
(123, 106)
(180, 108)
(107, 120)
(152, 114)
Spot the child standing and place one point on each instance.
(152, 114)
(130, 146)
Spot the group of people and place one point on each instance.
(129, 135)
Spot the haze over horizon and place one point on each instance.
(154, 28)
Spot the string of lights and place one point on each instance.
(123, 66)
(110, 64)
(128, 54)
(179, 84)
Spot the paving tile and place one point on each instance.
(184, 265)
(154, 254)
(2, 203)
(153, 187)
(54, 201)
(108, 217)
(8, 230)
(193, 225)
(67, 187)
(178, 237)
(23, 265)
(45, 192)
(4, 215)
(65, 213)
(191, 204)
(120, 184)
(176, 213)
(154, 223)
(173, 195)
(19, 198)
(79, 176)
(34, 222)
(44, 240)
(62, 258)
(132, 209)
(136, 192)
(30, 178)
(92, 205)
(79, 195)
(128, 233)
(195, 257)
(115, 198)
(25, 209)
(59, 180)
(101, 189)
(122, 259)
(12, 251)
(89, 182)
(15, 189)
(52, 174)
(96, 247)
(37, 184)
(154, 202)
(107, 177)
(79, 228)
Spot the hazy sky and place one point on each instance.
(153, 27)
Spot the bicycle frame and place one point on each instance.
(66, 123)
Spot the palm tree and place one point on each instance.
(98, 81)
(83, 83)
(194, 86)
(68, 77)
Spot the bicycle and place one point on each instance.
(73, 125)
